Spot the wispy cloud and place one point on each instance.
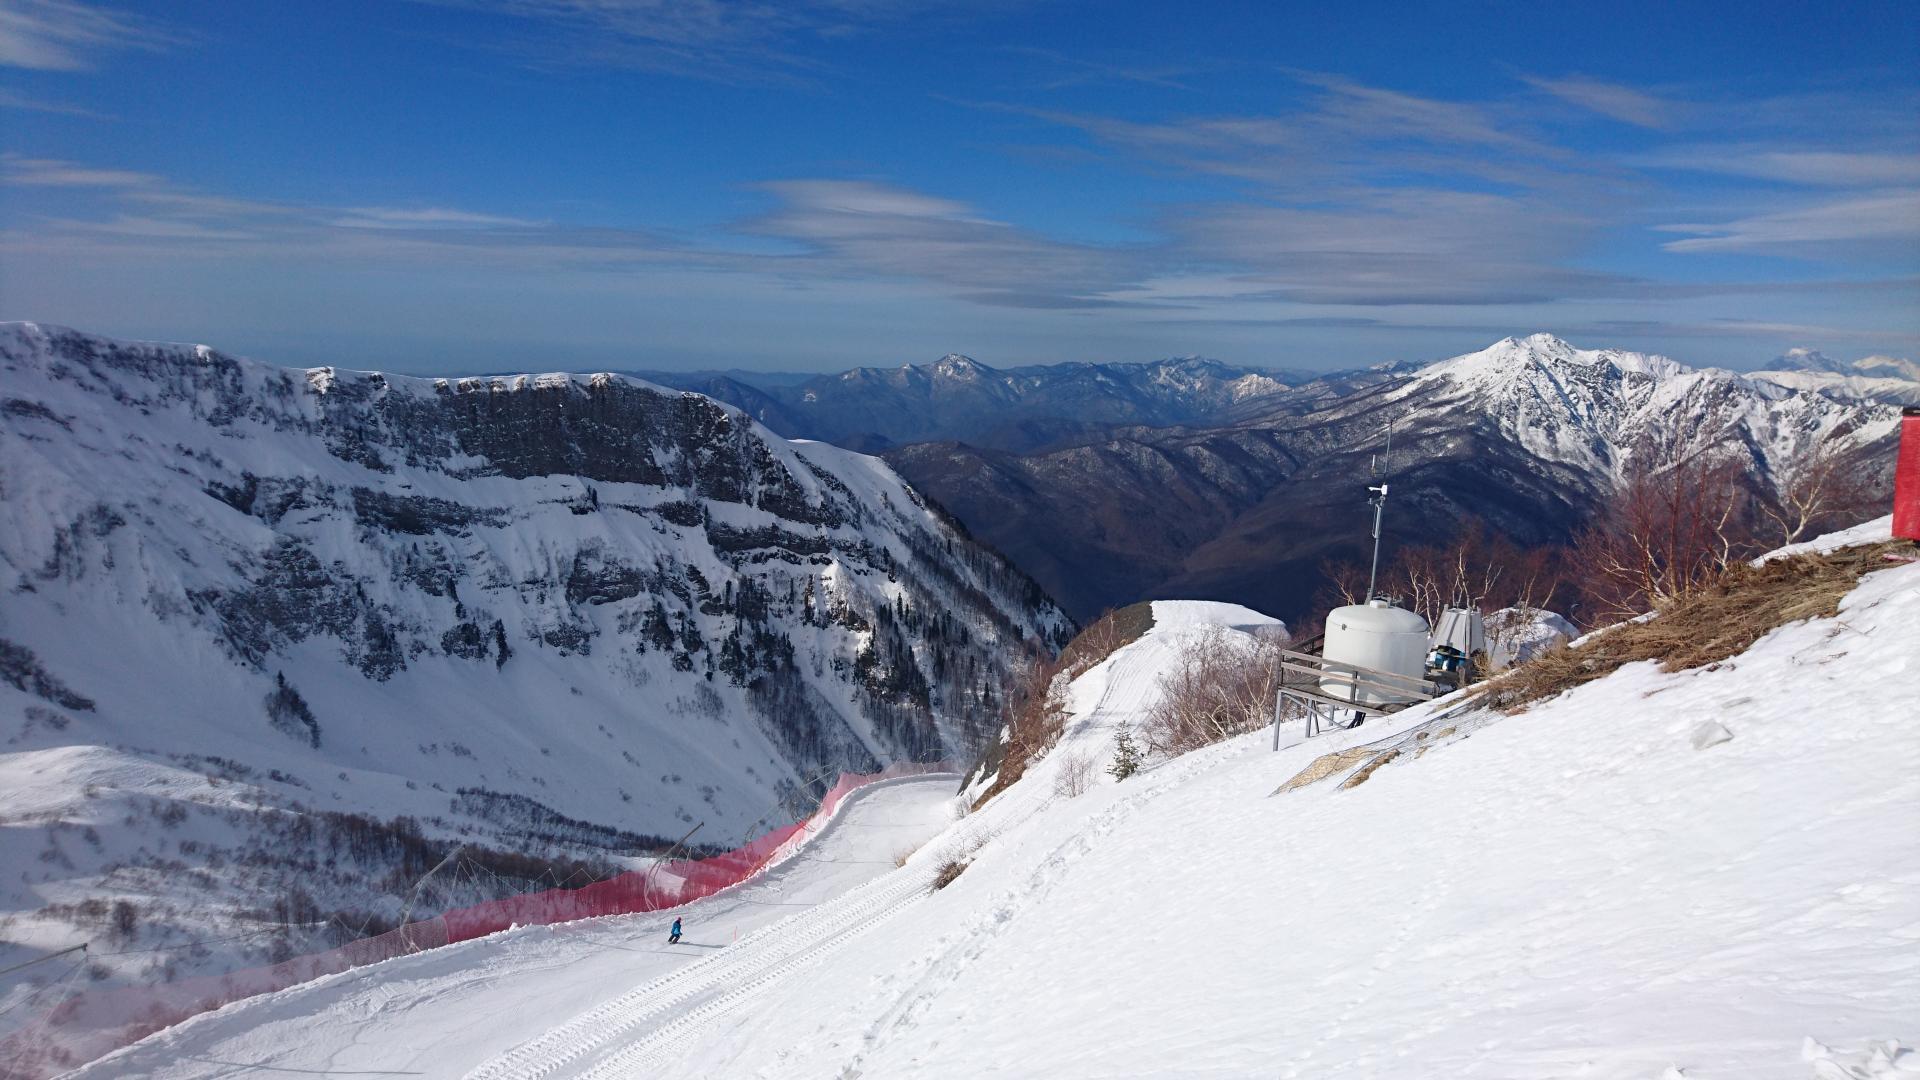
(1399, 247)
(46, 172)
(385, 217)
(1611, 100)
(11, 100)
(66, 35)
(869, 229)
(1824, 168)
(1877, 219)
(721, 40)
(1064, 71)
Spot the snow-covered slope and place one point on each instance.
(1591, 408)
(558, 614)
(1888, 390)
(444, 1012)
(1576, 892)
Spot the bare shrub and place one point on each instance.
(1477, 569)
(948, 871)
(900, 857)
(126, 921)
(1222, 684)
(1674, 524)
(1074, 777)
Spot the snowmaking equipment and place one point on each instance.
(1372, 659)
(1373, 638)
(1458, 646)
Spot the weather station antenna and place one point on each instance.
(1378, 499)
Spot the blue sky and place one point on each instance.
(535, 184)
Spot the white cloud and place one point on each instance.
(1824, 168)
(382, 217)
(1611, 100)
(11, 100)
(46, 172)
(721, 40)
(65, 35)
(1876, 219)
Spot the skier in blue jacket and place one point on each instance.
(674, 937)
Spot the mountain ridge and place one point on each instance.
(1527, 436)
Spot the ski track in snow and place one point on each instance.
(445, 1010)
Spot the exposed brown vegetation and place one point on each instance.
(1034, 708)
(1706, 624)
(1222, 685)
(1105, 636)
(1673, 525)
(948, 871)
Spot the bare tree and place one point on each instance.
(1812, 488)
(1671, 526)
(1346, 582)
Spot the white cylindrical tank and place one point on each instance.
(1374, 635)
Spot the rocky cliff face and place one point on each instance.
(630, 607)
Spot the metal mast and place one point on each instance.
(1379, 503)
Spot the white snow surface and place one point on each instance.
(442, 1012)
(1573, 892)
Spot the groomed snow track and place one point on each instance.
(707, 988)
(669, 1008)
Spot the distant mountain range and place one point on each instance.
(1527, 436)
(1016, 409)
(1873, 378)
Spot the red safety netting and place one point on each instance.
(91, 1024)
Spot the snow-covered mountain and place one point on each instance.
(959, 398)
(1526, 436)
(1872, 378)
(551, 614)
(1593, 408)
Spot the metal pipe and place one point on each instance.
(1379, 504)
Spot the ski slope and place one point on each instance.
(1574, 892)
(444, 1012)
(1585, 890)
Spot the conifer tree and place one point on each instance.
(1126, 756)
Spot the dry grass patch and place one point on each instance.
(949, 870)
(1707, 625)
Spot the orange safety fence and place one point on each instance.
(94, 1023)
